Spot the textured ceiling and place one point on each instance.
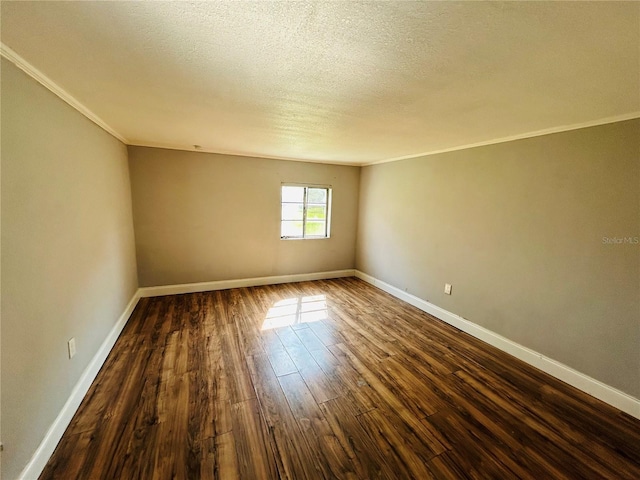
(352, 82)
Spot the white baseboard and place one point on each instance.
(243, 282)
(601, 391)
(56, 430)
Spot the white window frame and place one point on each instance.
(306, 186)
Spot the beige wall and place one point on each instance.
(68, 257)
(204, 217)
(518, 229)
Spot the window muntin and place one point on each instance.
(305, 211)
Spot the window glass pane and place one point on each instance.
(292, 211)
(293, 194)
(317, 195)
(304, 211)
(315, 229)
(291, 229)
(316, 212)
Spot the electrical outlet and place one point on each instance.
(447, 288)
(72, 347)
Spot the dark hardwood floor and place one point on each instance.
(328, 379)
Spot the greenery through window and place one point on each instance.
(305, 211)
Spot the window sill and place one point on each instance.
(307, 238)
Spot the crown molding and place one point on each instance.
(522, 136)
(52, 86)
(236, 154)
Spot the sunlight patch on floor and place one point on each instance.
(296, 310)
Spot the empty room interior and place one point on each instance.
(307, 240)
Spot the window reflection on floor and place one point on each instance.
(296, 310)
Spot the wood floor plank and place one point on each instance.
(535, 421)
(255, 456)
(309, 339)
(447, 467)
(410, 455)
(315, 426)
(240, 386)
(70, 458)
(294, 456)
(474, 447)
(366, 458)
(317, 381)
(349, 382)
(217, 416)
(388, 404)
(327, 334)
(171, 451)
(248, 331)
(226, 458)
(409, 389)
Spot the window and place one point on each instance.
(306, 211)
